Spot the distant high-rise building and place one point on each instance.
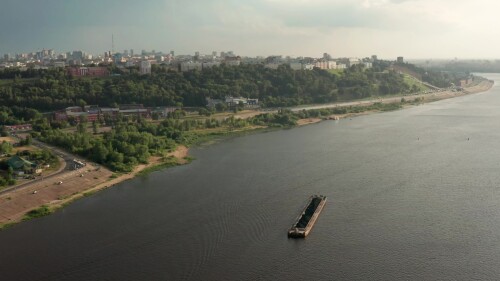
(326, 56)
(400, 60)
(77, 55)
(374, 58)
(131, 52)
(172, 53)
(214, 54)
(117, 58)
(6, 57)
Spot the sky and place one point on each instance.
(415, 29)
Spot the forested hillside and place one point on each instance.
(52, 89)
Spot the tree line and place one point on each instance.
(53, 89)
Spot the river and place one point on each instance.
(414, 194)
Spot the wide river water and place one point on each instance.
(413, 194)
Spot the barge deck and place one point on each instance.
(307, 218)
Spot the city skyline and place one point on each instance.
(388, 28)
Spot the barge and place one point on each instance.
(307, 218)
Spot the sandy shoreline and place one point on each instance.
(180, 153)
(75, 184)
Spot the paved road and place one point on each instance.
(67, 157)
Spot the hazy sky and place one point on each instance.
(388, 28)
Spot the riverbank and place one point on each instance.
(404, 101)
(49, 196)
(46, 196)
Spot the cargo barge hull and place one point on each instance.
(306, 220)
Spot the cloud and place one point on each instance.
(301, 27)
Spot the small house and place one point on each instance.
(22, 166)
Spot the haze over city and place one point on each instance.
(413, 28)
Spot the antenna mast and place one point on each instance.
(112, 43)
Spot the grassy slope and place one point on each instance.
(411, 81)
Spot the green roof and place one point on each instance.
(18, 163)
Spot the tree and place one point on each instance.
(27, 141)
(5, 147)
(83, 119)
(3, 131)
(95, 127)
(72, 120)
(221, 107)
(99, 153)
(81, 128)
(82, 104)
(204, 112)
(155, 116)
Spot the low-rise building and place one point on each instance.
(134, 109)
(272, 65)
(232, 61)
(59, 64)
(21, 166)
(190, 65)
(325, 64)
(235, 101)
(15, 128)
(210, 64)
(163, 111)
(88, 71)
(145, 67)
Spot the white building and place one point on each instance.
(232, 61)
(272, 65)
(322, 64)
(248, 103)
(59, 64)
(210, 64)
(190, 65)
(145, 67)
(353, 61)
(296, 65)
(308, 66)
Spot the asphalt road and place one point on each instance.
(67, 157)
